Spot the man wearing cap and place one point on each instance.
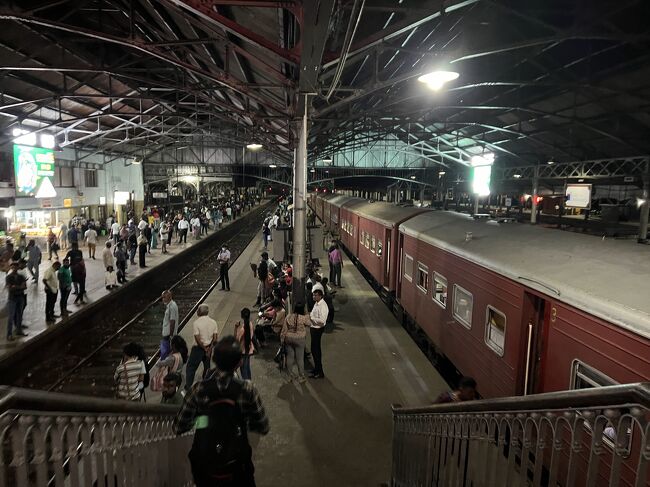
(224, 262)
(16, 285)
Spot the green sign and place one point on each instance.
(34, 169)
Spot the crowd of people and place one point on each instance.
(141, 234)
(224, 405)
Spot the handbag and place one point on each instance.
(161, 372)
(281, 357)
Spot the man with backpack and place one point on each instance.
(223, 408)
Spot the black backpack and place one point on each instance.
(220, 452)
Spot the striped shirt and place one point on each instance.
(127, 377)
(197, 403)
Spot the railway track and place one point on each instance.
(84, 362)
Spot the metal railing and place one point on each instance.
(591, 437)
(58, 440)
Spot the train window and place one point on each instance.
(440, 289)
(361, 237)
(408, 267)
(379, 248)
(495, 330)
(584, 376)
(463, 305)
(373, 244)
(366, 243)
(423, 277)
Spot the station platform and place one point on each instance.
(34, 315)
(337, 430)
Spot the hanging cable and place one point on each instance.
(347, 44)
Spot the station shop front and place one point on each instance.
(35, 217)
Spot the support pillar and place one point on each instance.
(533, 214)
(645, 207)
(422, 195)
(299, 212)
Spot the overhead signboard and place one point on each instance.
(67, 203)
(34, 170)
(578, 196)
(160, 195)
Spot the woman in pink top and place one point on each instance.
(244, 334)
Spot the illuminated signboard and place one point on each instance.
(578, 196)
(34, 169)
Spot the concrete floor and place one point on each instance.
(336, 431)
(34, 316)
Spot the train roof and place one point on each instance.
(604, 277)
(340, 200)
(381, 212)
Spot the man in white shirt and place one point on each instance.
(91, 240)
(205, 333)
(169, 324)
(318, 316)
(115, 232)
(224, 262)
(183, 226)
(107, 256)
(142, 225)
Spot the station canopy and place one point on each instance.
(529, 81)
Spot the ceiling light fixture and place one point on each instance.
(273, 166)
(550, 163)
(254, 146)
(327, 160)
(516, 176)
(137, 161)
(437, 79)
(312, 170)
(412, 177)
(441, 173)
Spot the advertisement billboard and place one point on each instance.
(34, 170)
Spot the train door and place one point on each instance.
(387, 258)
(536, 316)
(398, 267)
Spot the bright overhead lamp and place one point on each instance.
(640, 202)
(441, 173)
(437, 79)
(312, 170)
(516, 176)
(23, 137)
(412, 177)
(327, 160)
(273, 166)
(550, 163)
(47, 141)
(486, 159)
(254, 146)
(136, 160)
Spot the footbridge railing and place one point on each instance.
(58, 440)
(592, 437)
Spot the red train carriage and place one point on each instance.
(526, 309)
(335, 204)
(375, 226)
